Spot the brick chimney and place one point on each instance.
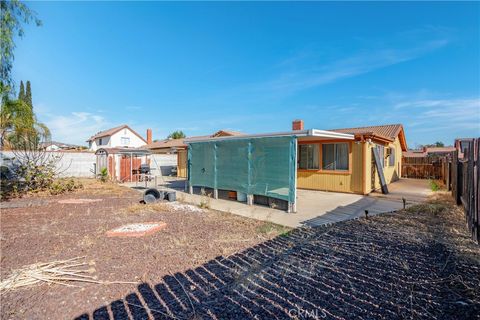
(149, 136)
(297, 124)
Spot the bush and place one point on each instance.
(434, 185)
(61, 186)
(104, 174)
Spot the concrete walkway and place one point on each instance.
(315, 208)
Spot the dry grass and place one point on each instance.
(96, 187)
(446, 221)
(143, 208)
(272, 229)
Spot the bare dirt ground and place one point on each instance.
(415, 264)
(41, 229)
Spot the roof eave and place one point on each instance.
(296, 133)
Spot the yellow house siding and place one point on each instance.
(336, 181)
(391, 173)
(182, 163)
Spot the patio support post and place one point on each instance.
(250, 199)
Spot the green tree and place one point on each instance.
(439, 144)
(19, 126)
(13, 14)
(177, 135)
(28, 95)
(21, 92)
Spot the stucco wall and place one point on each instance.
(392, 173)
(116, 140)
(81, 164)
(135, 141)
(350, 181)
(71, 164)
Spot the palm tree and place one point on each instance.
(19, 128)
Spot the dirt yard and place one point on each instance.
(418, 264)
(414, 264)
(45, 228)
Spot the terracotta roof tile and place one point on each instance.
(178, 143)
(389, 131)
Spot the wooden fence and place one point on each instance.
(436, 168)
(464, 182)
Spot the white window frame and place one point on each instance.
(310, 153)
(125, 141)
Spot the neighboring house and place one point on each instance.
(58, 146)
(275, 165)
(119, 137)
(429, 152)
(179, 147)
(175, 145)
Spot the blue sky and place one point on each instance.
(254, 67)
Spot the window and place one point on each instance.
(308, 156)
(335, 156)
(100, 141)
(391, 157)
(124, 141)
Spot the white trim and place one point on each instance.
(297, 133)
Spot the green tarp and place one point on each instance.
(260, 166)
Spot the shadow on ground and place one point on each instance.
(366, 268)
(354, 210)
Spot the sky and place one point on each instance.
(253, 67)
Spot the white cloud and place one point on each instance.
(355, 65)
(75, 127)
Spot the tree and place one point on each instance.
(13, 14)
(28, 95)
(21, 93)
(177, 135)
(19, 126)
(437, 144)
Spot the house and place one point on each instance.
(274, 165)
(58, 146)
(175, 145)
(179, 147)
(119, 137)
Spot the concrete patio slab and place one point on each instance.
(315, 208)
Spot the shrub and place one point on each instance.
(61, 186)
(104, 174)
(434, 185)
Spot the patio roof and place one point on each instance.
(131, 151)
(297, 133)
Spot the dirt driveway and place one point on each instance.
(44, 229)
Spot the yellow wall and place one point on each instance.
(182, 163)
(392, 173)
(352, 181)
(335, 181)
